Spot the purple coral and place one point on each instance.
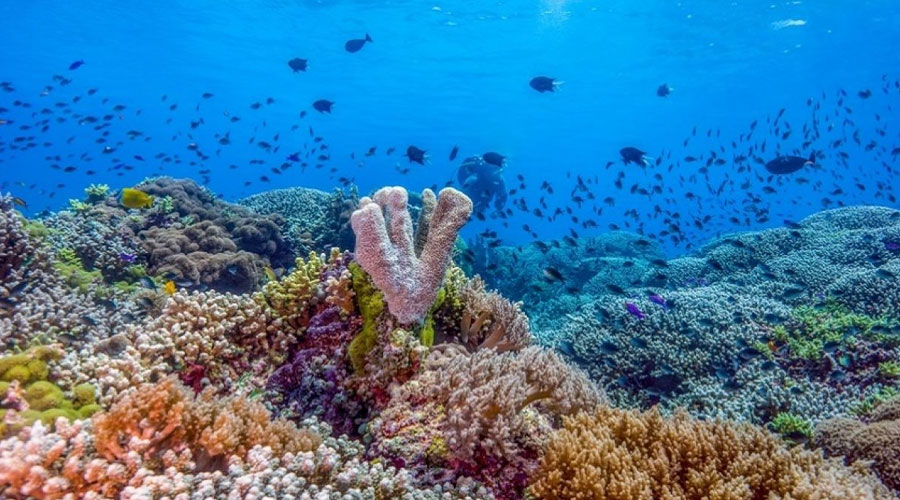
(409, 281)
(313, 382)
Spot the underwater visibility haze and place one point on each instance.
(450, 250)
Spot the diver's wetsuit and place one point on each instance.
(482, 182)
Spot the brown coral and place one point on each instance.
(166, 422)
(215, 243)
(878, 440)
(617, 454)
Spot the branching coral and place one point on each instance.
(484, 394)
(616, 454)
(165, 421)
(485, 414)
(230, 335)
(385, 247)
(876, 440)
(291, 297)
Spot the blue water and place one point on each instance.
(440, 74)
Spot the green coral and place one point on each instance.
(165, 204)
(19, 373)
(426, 335)
(36, 229)
(72, 271)
(87, 411)
(96, 192)
(889, 369)
(78, 206)
(370, 302)
(46, 400)
(812, 327)
(84, 394)
(873, 400)
(791, 426)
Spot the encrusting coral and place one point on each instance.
(877, 440)
(27, 393)
(614, 454)
(385, 246)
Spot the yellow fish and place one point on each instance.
(135, 198)
(169, 287)
(270, 274)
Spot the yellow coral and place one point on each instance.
(614, 454)
(370, 302)
(291, 296)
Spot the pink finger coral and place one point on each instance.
(385, 246)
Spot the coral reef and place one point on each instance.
(619, 454)
(409, 279)
(752, 326)
(875, 439)
(159, 367)
(211, 243)
(187, 235)
(315, 221)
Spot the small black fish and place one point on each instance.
(552, 274)
(831, 346)
(148, 283)
(607, 347)
(356, 44)
(297, 64)
(664, 90)
(415, 155)
(454, 152)
(543, 84)
(492, 158)
(323, 106)
(782, 165)
(615, 289)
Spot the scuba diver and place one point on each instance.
(483, 183)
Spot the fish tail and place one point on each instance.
(812, 158)
(368, 38)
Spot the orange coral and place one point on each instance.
(617, 454)
(165, 421)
